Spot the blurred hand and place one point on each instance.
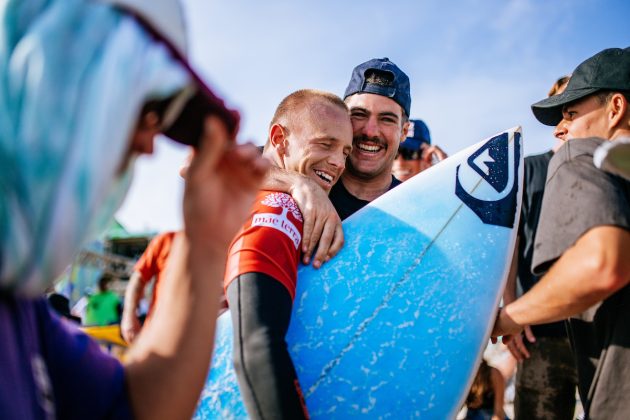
(221, 183)
(129, 328)
(322, 225)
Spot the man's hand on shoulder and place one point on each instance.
(322, 225)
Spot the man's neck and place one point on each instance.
(367, 189)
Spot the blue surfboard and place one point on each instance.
(396, 323)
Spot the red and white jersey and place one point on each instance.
(269, 242)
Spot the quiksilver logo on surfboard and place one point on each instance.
(497, 162)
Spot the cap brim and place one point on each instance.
(411, 143)
(187, 128)
(549, 110)
(189, 125)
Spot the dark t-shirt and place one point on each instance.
(347, 204)
(535, 177)
(579, 197)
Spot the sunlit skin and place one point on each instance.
(378, 128)
(583, 118)
(317, 146)
(142, 139)
(405, 169)
(427, 156)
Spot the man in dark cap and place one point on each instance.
(583, 239)
(379, 98)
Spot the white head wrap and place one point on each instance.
(74, 75)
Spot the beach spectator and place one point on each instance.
(583, 238)
(103, 307)
(415, 153)
(485, 398)
(85, 87)
(310, 134)
(61, 305)
(546, 378)
(150, 267)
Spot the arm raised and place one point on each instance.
(168, 363)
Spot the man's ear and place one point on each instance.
(278, 138)
(405, 130)
(617, 111)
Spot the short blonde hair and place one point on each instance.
(299, 100)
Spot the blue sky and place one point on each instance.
(475, 67)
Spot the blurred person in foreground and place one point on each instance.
(583, 238)
(415, 153)
(546, 378)
(85, 88)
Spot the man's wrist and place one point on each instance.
(297, 180)
(506, 320)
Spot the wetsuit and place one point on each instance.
(260, 284)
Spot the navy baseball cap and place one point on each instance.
(390, 81)
(607, 70)
(418, 134)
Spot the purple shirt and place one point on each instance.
(48, 368)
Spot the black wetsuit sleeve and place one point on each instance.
(261, 311)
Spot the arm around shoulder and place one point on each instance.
(322, 225)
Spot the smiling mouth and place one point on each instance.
(324, 176)
(369, 146)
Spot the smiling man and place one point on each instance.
(379, 100)
(310, 134)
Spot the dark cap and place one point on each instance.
(606, 70)
(418, 133)
(393, 82)
(186, 111)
